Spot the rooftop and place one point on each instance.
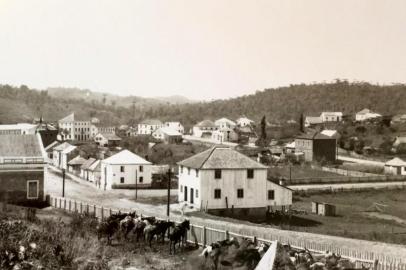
(151, 122)
(221, 157)
(95, 167)
(110, 136)
(20, 146)
(87, 163)
(17, 126)
(315, 136)
(170, 131)
(396, 162)
(78, 160)
(206, 123)
(71, 118)
(125, 157)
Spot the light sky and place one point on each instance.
(199, 49)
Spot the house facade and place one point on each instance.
(204, 129)
(167, 135)
(125, 170)
(94, 172)
(62, 154)
(224, 135)
(244, 121)
(107, 139)
(366, 114)
(147, 127)
(317, 147)
(395, 166)
(84, 169)
(331, 116)
(74, 128)
(177, 126)
(96, 129)
(222, 178)
(22, 165)
(18, 129)
(225, 123)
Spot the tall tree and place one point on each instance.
(301, 123)
(263, 128)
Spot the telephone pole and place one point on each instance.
(169, 192)
(136, 184)
(63, 183)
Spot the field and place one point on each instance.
(298, 171)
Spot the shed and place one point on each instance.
(323, 209)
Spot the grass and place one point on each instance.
(362, 168)
(157, 200)
(298, 171)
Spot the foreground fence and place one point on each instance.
(203, 235)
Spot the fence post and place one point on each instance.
(60, 203)
(76, 206)
(204, 236)
(64, 204)
(94, 209)
(227, 235)
(81, 208)
(102, 213)
(111, 212)
(87, 208)
(70, 205)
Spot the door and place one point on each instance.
(32, 189)
(191, 195)
(185, 193)
(399, 172)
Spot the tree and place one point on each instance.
(104, 99)
(262, 139)
(301, 123)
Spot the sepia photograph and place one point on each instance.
(202, 135)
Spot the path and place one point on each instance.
(339, 186)
(361, 161)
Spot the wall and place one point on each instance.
(305, 146)
(14, 182)
(324, 150)
(130, 172)
(190, 180)
(283, 196)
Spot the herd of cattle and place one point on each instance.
(231, 253)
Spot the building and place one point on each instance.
(246, 134)
(62, 154)
(146, 127)
(75, 128)
(22, 165)
(317, 147)
(395, 166)
(366, 114)
(107, 139)
(125, 170)
(50, 151)
(312, 121)
(204, 129)
(175, 126)
(398, 141)
(225, 123)
(84, 169)
(224, 135)
(167, 135)
(95, 173)
(18, 129)
(244, 121)
(222, 178)
(96, 129)
(331, 116)
(75, 163)
(48, 133)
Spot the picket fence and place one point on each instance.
(203, 235)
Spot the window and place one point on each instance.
(12, 160)
(250, 173)
(122, 180)
(217, 174)
(197, 173)
(188, 171)
(141, 179)
(32, 189)
(217, 194)
(121, 168)
(240, 193)
(141, 168)
(197, 193)
(181, 169)
(271, 194)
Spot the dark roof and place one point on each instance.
(50, 148)
(88, 163)
(20, 146)
(221, 157)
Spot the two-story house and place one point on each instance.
(244, 121)
(204, 129)
(175, 126)
(317, 146)
(75, 128)
(225, 123)
(147, 127)
(222, 178)
(125, 169)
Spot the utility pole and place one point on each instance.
(136, 184)
(63, 183)
(169, 192)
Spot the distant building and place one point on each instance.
(395, 166)
(222, 178)
(175, 126)
(317, 147)
(331, 116)
(399, 118)
(147, 127)
(94, 172)
(167, 135)
(107, 139)
(74, 128)
(22, 162)
(62, 154)
(18, 129)
(204, 129)
(84, 169)
(96, 129)
(48, 133)
(398, 141)
(366, 114)
(244, 121)
(125, 169)
(50, 151)
(312, 121)
(224, 134)
(75, 163)
(246, 134)
(225, 123)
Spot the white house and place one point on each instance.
(75, 128)
(96, 129)
(175, 126)
(84, 169)
(331, 116)
(50, 152)
(312, 120)
(95, 173)
(18, 129)
(62, 154)
(204, 129)
(244, 121)
(224, 135)
(222, 178)
(167, 135)
(395, 166)
(107, 139)
(125, 169)
(366, 114)
(225, 123)
(146, 127)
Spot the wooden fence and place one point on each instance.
(203, 235)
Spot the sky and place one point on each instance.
(204, 49)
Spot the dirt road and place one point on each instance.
(361, 161)
(346, 186)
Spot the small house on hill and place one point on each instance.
(244, 121)
(167, 135)
(366, 114)
(204, 129)
(395, 166)
(221, 178)
(107, 139)
(148, 126)
(225, 123)
(317, 146)
(22, 163)
(125, 170)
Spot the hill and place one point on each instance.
(277, 104)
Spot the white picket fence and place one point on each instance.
(203, 235)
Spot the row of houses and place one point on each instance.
(330, 117)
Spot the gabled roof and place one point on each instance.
(329, 132)
(109, 136)
(314, 119)
(87, 163)
(20, 146)
(206, 123)
(228, 121)
(220, 157)
(151, 122)
(243, 118)
(68, 149)
(95, 167)
(62, 146)
(72, 117)
(169, 131)
(78, 160)
(395, 162)
(51, 146)
(364, 111)
(125, 157)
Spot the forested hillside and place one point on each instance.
(280, 104)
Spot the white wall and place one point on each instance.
(190, 180)
(283, 196)
(113, 175)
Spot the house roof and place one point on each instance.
(78, 160)
(125, 157)
(170, 131)
(62, 146)
(395, 162)
(399, 140)
(87, 163)
(290, 145)
(95, 167)
(332, 113)
(20, 146)
(110, 136)
(243, 118)
(314, 119)
(315, 136)
(221, 157)
(329, 132)
(71, 118)
(17, 126)
(206, 123)
(151, 122)
(51, 146)
(364, 111)
(68, 149)
(228, 121)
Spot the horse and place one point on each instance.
(220, 249)
(107, 228)
(159, 229)
(178, 235)
(127, 224)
